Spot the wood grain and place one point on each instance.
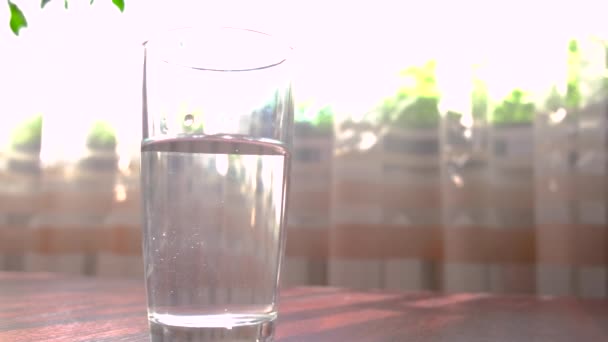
(49, 307)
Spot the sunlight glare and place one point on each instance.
(120, 193)
(368, 140)
(252, 219)
(221, 164)
(558, 116)
(466, 120)
(457, 180)
(123, 164)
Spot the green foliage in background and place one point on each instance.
(18, 20)
(196, 127)
(605, 90)
(606, 54)
(180, 119)
(322, 119)
(573, 98)
(554, 101)
(301, 111)
(514, 109)
(325, 119)
(102, 136)
(28, 135)
(573, 92)
(479, 99)
(416, 103)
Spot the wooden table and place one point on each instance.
(47, 307)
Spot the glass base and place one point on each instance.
(246, 329)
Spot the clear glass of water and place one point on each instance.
(217, 130)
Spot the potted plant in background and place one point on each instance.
(356, 200)
(511, 142)
(119, 254)
(96, 177)
(555, 153)
(410, 149)
(78, 195)
(464, 160)
(25, 146)
(512, 127)
(19, 194)
(511, 188)
(571, 196)
(386, 183)
(101, 145)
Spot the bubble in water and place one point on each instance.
(188, 120)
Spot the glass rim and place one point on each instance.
(172, 36)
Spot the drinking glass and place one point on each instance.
(215, 156)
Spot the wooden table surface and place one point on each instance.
(47, 307)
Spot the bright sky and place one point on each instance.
(84, 63)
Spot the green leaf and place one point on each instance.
(17, 21)
(44, 2)
(65, 4)
(120, 4)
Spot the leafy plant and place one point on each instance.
(453, 115)
(573, 97)
(514, 109)
(606, 53)
(479, 99)
(554, 100)
(605, 81)
(189, 118)
(302, 111)
(416, 104)
(101, 137)
(18, 20)
(322, 119)
(573, 92)
(325, 119)
(606, 69)
(28, 135)
(193, 126)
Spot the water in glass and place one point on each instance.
(213, 234)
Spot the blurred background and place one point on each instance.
(438, 146)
